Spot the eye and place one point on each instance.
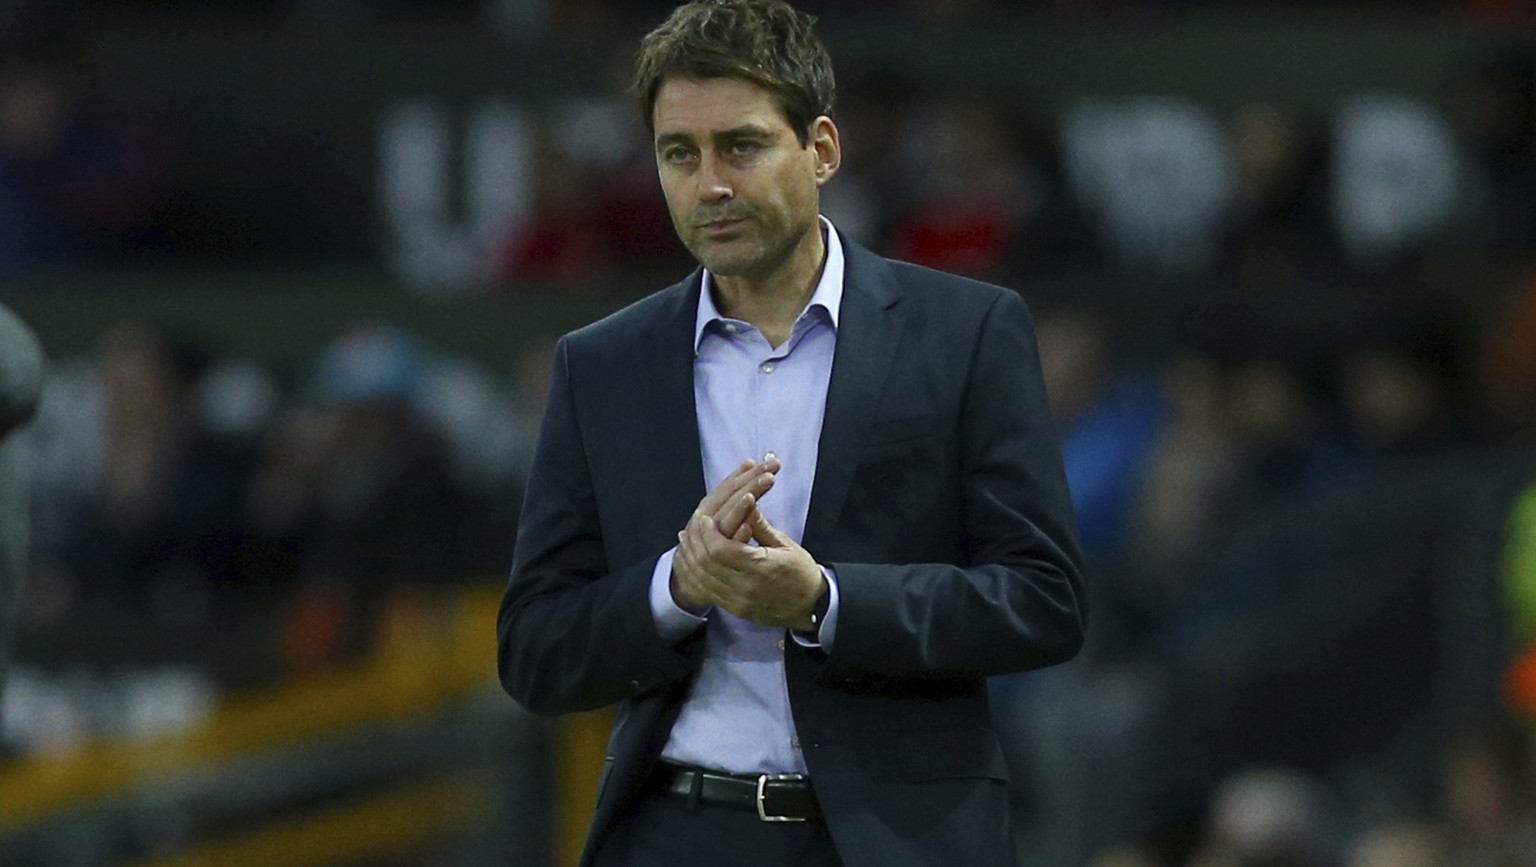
(744, 148)
(677, 155)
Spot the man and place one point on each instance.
(21, 380)
(830, 607)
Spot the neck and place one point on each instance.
(771, 302)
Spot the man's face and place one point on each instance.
(742, 189)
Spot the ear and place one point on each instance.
(827, 147)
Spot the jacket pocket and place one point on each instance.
(949, 754)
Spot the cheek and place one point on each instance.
(677, 201)
(783, 184)
(799, 184)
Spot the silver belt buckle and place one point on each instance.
(762, 784)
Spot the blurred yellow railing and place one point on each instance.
(382, 827)
(427, 659)
(413, 673)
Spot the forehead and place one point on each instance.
(686, 106)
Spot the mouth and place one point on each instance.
(716, 227)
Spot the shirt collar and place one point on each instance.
(828, 295)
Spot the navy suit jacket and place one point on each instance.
(939, 499)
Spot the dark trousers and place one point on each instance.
(669, 831)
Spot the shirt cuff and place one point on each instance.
(672, 620)
(828, 630)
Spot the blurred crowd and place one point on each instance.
(959, 176)
(193, 510)
(1307, 579)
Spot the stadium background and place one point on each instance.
(299, 264)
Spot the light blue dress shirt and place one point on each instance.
(753, 399)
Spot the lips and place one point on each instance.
(721, 225)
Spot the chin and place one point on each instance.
(729, 264)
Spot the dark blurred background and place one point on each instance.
(299, 265)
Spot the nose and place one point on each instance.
(714, 186)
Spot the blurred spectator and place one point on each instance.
(354, 483)
(1277, 221)
(530, 393)
(1123, 856)
(489, 434)
(560, 240)
(1402, 398)
(355, 498)
(1075, 735)
(1486, 787)
(1505, 387)
(630, 208)
(872, 184)
(1107, 424)
(1189, 492)
(81, 178)
(1397, 180)
(1289, 441)
(1267, 818)
(972, 196)
(165, 517)
(1494, 110)
(1399, 845)
(634, 218)
(1156, 176)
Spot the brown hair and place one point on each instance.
(766, 42)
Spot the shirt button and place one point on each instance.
(794, 742)
(781, 644)
(730, 328)
(768, 367)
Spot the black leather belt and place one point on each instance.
(775, 797)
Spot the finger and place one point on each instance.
(689, 563)
(721, 556)
(730, 517)
(732, 483)
(771, 463)
(765, 533)
(732, 561)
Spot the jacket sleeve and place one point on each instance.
(1016, 600)
(575, 633)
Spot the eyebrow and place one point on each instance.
(750, 130)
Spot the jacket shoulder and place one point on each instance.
(926, 286)
(623, 329)
(947, 288)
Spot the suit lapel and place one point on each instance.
(671, 435)
(869, 329)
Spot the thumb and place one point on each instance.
(765, 533)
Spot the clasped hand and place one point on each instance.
(774, 583)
